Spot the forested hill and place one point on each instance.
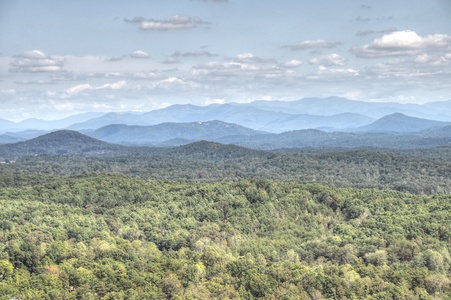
(109, 237)
(59, 142)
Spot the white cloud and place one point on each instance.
(316, 44)
(79, 88)
(86, 87)
(175, 83)
(400, 43)
(324, 73)
(209, 101)
(140, 54)
(172, 23)
(114, 86)
(422, 65)
(193, 54)
(251, 58)
(294, 63)
(8, 92)
(35, 61)
(328, 60)
(146, 76)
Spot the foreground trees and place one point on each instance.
(111, 237)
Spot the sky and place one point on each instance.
(60, 58)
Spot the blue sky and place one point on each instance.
(59, 58)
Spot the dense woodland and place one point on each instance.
(212, 221)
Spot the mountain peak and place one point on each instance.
(398, 122)
(62, 142)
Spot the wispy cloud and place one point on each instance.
(324, 73)
(328, 60)
(86, 87)
(316, 44)
(251, 58)
(369, 32)
(362, 19)
(173, 23)
(193, 54)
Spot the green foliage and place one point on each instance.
(113, 237)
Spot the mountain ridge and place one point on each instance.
(62, 142)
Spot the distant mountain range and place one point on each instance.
(37, 124)
(170, 133)
(67, 142)
(251, 117)
(392, 131)
(308, 123)
(329, 114)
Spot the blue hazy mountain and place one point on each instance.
(38, 124)
(398, 122)
(247, 116)
(333, 113)
(170, 133)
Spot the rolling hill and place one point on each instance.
(63, 142)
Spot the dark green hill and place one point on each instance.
(212, 150)
(63, 142)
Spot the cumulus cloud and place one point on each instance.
(403, 43)
(35, 61)
(172, 23)
(328, 60)
(140, 54)
(317, 44)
